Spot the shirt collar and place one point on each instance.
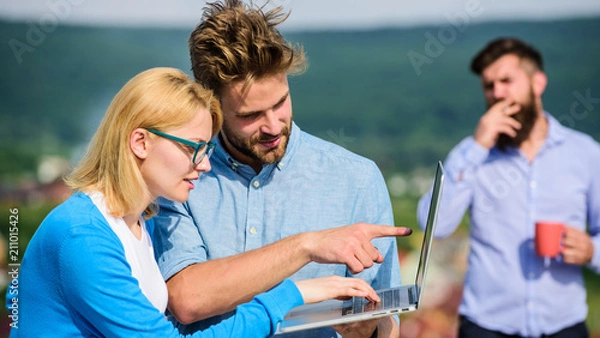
(556, 131)
(222, 155)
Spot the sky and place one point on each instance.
(305, 14)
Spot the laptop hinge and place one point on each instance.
(412, 295)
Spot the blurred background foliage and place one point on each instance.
(361, 91)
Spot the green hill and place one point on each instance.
(361, 90)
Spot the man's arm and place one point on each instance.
(593, 208)
(457, 193)
(374, 206)
(461, 164)
(236, 279)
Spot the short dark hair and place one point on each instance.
(503, 46)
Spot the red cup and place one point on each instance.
(548, 238)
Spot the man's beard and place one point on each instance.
(527, 117)
(250, 148)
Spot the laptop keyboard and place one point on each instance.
(389, 299)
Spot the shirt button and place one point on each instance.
(253, 231)
(256, 184)
(532, 184)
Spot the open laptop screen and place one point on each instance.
(431, 219)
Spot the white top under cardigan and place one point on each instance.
(139, 254)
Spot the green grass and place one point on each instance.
(592, 283)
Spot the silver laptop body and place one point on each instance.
(402, 299)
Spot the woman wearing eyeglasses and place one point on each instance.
(89, 270)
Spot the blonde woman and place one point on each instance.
(89, 270)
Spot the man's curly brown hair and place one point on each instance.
(235, 42)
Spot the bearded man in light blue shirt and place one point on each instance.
(278, 200)
(521, 166)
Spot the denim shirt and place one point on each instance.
(509, 288)
(317, 185)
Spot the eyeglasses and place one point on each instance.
(200, 149)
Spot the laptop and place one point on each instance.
(402, 299)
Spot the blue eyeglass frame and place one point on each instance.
(200, 149)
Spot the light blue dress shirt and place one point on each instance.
(509, 288)
(317, 185)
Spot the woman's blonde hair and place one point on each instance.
(158, 98)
